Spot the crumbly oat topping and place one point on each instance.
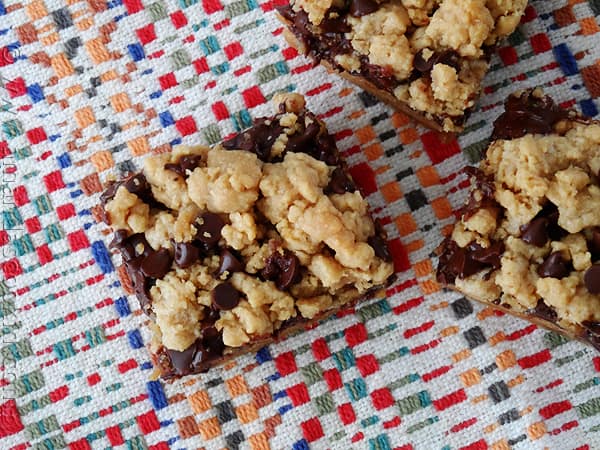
(462, 25)
(538, 201)
(396, 45)
(240, 241)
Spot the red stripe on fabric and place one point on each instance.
(450, 400)
(520, 333)
(527, 362)
(408, 305)
(479, 445)
(435, 373)
(463, 425)
(555, 408)
(417, 330)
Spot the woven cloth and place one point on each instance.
(89, 88)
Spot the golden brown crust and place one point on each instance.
(576, 333)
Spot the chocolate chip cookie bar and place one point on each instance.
(528, 240)
(231, 247)
(426, 58)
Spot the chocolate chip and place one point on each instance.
(485, 194)
(182, 361)
(209, 227)
(335, 25)
(157, 264)
(283, 268)
(109, 192)
(380, 246)
(550, 212)
(447, 57)
(134, 246)
(212, 341)
(209, 346)
(137, 184)
(592, 279)
(535, 232)
(360, 8)
(229, 263)
(303, 141)
(327, 150)
(594, 244)
(340, 183)
(185, 163)
(118, 238)
(258, 139)
(489, 256)
(554, 266)
(380, 76)
(462, 262)
(186, 254)
(225, 296)
(527, 114)
(141, 286)
(543, 311)
(211, 315)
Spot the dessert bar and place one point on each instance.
(528, 240)
(426, 58)
(231, 247)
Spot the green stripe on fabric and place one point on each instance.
(15, 351)
(589, 408)
(412, 403)
(51, 443)
(41, 427)
(376, 309)
(28, 383)
(420, 425)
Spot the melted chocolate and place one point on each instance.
(258, 139)
(335, 25)
(592, 279)
(535, 232)
(380, 247)
(208, 347)
(543, 227)
(555, 266)
(447, 57)
(485, 188)
(543, 311)
(186, 254)
(185, 163)
(340, 182)
(284, 269)
(229, 263)
(461, 262)
(527, 114)
(594, 244)
(144, 265)
(359, 8)
(157, 264)
(135, 184)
